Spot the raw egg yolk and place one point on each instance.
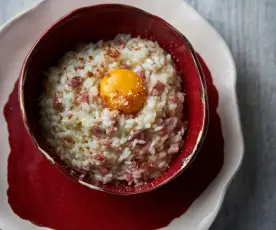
(123, 90)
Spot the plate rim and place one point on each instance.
(221, 198)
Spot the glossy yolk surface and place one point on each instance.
(123, 90)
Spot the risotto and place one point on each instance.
(110, 136)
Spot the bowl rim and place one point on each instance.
(186, 162)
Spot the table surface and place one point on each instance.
(249, 28)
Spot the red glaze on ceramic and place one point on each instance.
(94, 23)
(40, 193)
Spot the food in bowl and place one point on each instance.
(71, 30)
(114, 110)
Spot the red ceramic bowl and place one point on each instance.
(103, 22)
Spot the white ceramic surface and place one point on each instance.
(17, 37)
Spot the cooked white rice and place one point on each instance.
(108, 145)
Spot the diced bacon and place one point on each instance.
(83, 97)
(157, 87)
(100, 157)
(174, 148)
(173, 99)
(163, 132)
(76, 82)
(170, 124)
(134, 165)
(129, 177)
(57, 105)
(103, 170)
(96, 131)
(70, 115)
(134, 151)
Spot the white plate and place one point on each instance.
(17, 37)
